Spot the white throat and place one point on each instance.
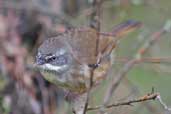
(59, 69)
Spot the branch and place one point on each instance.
(137, 92)
(152, 96)
(163, 104)
(94, 23)
(147, 97)
(155, 60)
(116, 81)
(154, 38)
(95, 15)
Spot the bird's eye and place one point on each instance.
(57, 60)
(53, 58)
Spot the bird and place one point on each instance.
(69, 59)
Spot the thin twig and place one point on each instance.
(88, 92)
(154, 38)
(155, 60)
(95, 17)
(162, 103)
(116, 81)
(147, 97)
(136, 91)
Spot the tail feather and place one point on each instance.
(118, 32)
(126, 27)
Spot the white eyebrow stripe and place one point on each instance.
(50, 56)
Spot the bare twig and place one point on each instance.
(155, 60)
(116, 81)
(88, 92)
(162, 103)
(95, 18)
(114, 84)
(95, 15)
(136, 91)
(147, 97)
(154, 38)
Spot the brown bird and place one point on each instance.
(68, 59)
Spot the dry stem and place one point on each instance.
(147, 97)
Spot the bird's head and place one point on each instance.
(53, 56)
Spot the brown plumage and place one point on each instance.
(66, 60)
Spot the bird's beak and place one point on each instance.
(40, 59)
